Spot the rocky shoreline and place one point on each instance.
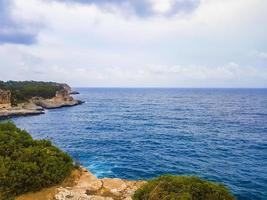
(88, 187)
(9, 113)
(85, 186)
(47, 104)
(53, 104)
(38, 105)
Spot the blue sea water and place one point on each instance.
(218, 134)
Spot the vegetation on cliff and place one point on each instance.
(30, 165)
(27, 164)
(22, 91)
(169, 187)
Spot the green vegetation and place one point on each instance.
(22, 91)
(28, 165)
(169, 187)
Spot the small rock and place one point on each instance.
(114, 185)
(88, 183)
(65, 194)
(127, 198)
(99, 198)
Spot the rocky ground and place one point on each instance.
(52, 103)
(6, 113)
(85, 186)
(23, 109)
(37, 105)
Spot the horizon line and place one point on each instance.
(119, 87)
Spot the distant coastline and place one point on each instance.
(32, 98)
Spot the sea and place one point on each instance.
(141, 133)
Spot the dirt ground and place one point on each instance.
(49, 193)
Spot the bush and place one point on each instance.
(169, 187)
(28, 165)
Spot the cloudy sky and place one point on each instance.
(135, 43)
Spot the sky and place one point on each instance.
(135, 43)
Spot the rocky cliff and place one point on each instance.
(83, 185)
(61, 99)
(88, 187)
(36, 105)
(5, 99)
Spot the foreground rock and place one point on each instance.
(88, 187)
(83, 185)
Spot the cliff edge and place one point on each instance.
(35, 102)
(83, 185)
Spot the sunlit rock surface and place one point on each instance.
(88, 187)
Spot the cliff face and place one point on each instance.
(63, 95)
(66, 87)
(36, 104)
(61, 99)
(5, 99)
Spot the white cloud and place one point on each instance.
(29, 64)
(162, 6)
(86, 45)
(262, 55)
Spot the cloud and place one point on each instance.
(78, 70)
(96, 44)
(262, 55)
(13, 30)
(143, 8)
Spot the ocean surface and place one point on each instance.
(218, 134)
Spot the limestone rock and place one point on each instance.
(114, 184)
(66, 87)
(31, 106)
(61, 99)
(65, 194)
(89, 187)
(5, 99)
(36, 105)
(88, 183)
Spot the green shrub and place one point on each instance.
(28, 165)
(170, 187)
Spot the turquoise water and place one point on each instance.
(218, 134)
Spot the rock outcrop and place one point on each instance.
(15, 112)
(61, 99)
(5, 99)
(66, 87)
(23, 109)
(88, 187)
(36, 105)
(83, 185)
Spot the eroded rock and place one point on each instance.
(88, 183)
(5, 99)
(65, 194)
(89, 187)
(36, 105)
(115, 186)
